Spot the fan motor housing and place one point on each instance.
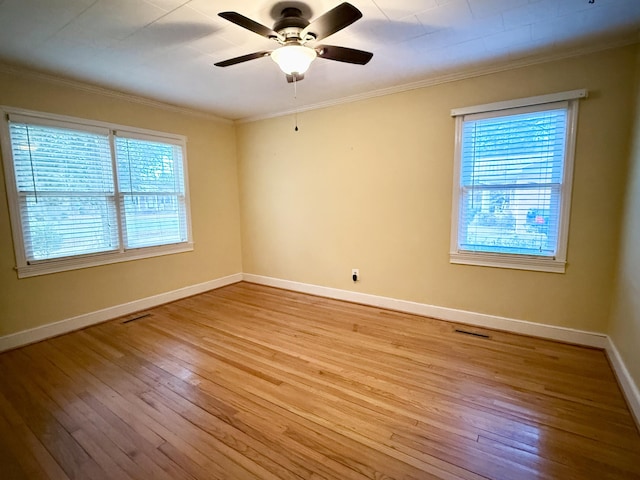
(291, 17)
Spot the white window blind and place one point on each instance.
(512, 190)
(511, 178)
(65, 189)
(80, 195)
(152, 192)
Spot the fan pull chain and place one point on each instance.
(295, 100)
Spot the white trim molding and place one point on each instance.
(521, 102)
(552, 258)
(551, 332)
(628, 386)
(517, 262)
(107, 92)
(107, 134)
(459, 74)
(50, 330)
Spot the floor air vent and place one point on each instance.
(137, 317)
(473, 334)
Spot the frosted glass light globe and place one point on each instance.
(294, 58)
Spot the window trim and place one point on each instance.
(43, 267)
(556, 264)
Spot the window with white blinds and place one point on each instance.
(84, 194)
(152, 193)
(513, 184)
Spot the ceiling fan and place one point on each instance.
(294, 32)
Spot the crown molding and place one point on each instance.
(451, 77)
(427, 82)
(90, 88)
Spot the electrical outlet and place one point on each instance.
(355, 274)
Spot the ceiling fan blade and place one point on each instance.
(243, 58)
(334, 20)
(244, 22)
(343, 54)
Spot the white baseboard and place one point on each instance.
(629, 388)
(569, 335)
(580, 337)
(550, 332)
(562, 334)
(37, 334)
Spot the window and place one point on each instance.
(151, 183)
(512, 189)
(88, 193)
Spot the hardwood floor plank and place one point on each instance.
(91, 431)
(280, 395)
(15, 458)
(25, 447)
(44, 420)
(467, 418)
(252, 382)
(274, 400)
(182, 434)
(580, 464)
(118, 421)
(248, 417)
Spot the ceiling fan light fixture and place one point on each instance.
(294, 58)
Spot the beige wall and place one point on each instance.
(31, 302)
(365, 185)
(369, 185)
(625, 318)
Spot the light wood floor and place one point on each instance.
(252, 382)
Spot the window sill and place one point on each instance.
(517, 262)
(74, 263)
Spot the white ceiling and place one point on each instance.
(165, 49)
